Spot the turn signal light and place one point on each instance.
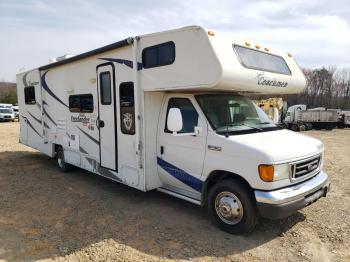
(266, 172)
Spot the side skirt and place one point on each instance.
(178, 195)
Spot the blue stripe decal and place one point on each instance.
(89, 136)
(123, 62)
(36, 119)
(49, 117)
(48, 90)
(181, 175)
(31, 126)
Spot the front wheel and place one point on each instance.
(232, 208)
(61, 164)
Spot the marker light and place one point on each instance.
(247, 43)
(289, 54)
(211, 33)
(266, 49)
(257, 46)
(266, 172)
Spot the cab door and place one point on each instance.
(180, 158)
(107, 116)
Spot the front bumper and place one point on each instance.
(286, 201)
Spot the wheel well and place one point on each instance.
(217, 176)
(56, 147)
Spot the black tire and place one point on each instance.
(303, 128)
(329, 127)
(246, 206)
(61, 164)
(295, 128)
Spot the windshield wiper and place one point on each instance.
(242, 124)
(264, 123)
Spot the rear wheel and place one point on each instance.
(61, 164)
(232, 208)
(295, 127)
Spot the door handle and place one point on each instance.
(100, 123)
(161, 150)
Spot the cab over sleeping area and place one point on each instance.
(168, 111)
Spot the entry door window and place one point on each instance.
(105, 87)
(188, 112)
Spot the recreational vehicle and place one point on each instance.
(167, 111)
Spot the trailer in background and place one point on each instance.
(298, 118)
(319, 118)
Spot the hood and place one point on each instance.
(280, 145)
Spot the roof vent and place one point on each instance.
(60, 58)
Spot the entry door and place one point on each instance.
(107, 116)
(180, 158)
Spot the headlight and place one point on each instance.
(269, 173)
(282, 171)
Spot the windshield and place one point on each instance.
(5, 111)
(229, 113)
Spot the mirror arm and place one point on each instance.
(197, 131)
(184, 134)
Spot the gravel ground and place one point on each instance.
(79, 216)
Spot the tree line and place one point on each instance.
(8, 93)
(326, 87)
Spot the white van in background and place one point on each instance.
(16, 111)
(6, 113)
(168, 111)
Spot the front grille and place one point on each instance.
(305, 167)
(7, 116)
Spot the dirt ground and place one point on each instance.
(79, 216)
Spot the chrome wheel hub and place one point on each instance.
(229, 208)
(60, 161)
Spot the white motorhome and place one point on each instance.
(167, 111)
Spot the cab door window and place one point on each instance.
(188, 112)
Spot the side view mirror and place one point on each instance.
(174, 122)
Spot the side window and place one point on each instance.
(29, 95)
(127, 108)
(105, 88)
(188, 112)
(87, 103)
(158, 55)
(81, 103)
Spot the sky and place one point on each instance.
(316, 32)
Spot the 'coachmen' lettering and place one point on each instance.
(265, 82)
